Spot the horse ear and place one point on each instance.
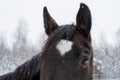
(49, 22)
(83, 20)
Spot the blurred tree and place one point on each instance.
(115, 55)
(2, 46)
(22, 48)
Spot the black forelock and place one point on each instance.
(62, 32)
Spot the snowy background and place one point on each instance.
(22, 32)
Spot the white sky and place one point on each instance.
(105, 15)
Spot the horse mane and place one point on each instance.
(30, 70)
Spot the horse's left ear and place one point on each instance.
(49, 22)
(83, 20)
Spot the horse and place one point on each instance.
(66, 55)
(68, 52)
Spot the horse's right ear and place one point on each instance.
(49, 22)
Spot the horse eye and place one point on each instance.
(84, 60)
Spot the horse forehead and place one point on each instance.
(64, 46)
